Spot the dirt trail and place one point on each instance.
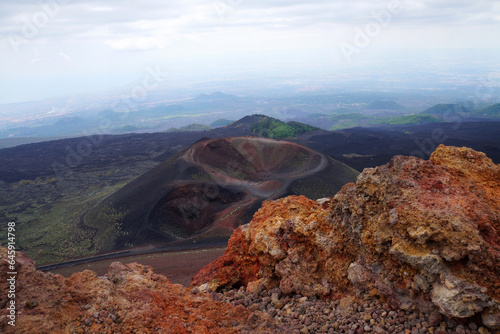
(179, 266)
(257, 188)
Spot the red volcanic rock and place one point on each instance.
(289, 243)
(418, 234)
(129, 299)
(427, 232)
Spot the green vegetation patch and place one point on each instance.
(347, 117)
(55, 235)
(441, 109)
(409, 119)
(173, 231)
(221, 122)
(316, 115)
(110, 227)
(191, 127)
(274, 128)
(48, 214)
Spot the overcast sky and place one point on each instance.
(54, 47)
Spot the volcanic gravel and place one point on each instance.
(304, 315)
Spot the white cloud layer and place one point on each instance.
(80, 36)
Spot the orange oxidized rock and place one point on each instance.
(416, 233)
(427, 231)
(129, 299)
(289, 243)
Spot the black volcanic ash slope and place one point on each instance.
(208, 189)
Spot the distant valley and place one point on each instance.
(65, 194)
(209, 111)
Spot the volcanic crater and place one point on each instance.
(207, 190)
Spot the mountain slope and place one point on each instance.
(444, 111)
(493, 110)
(208, 189)
(274, 128)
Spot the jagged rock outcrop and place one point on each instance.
(129, 299)
(418, 234)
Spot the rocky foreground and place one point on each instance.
(418, 235)
(128, 299)
(412, 247)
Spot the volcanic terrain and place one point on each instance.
(411, 247)
(207, 190)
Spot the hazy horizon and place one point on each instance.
(59, 48)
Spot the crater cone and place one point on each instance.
(207, 190)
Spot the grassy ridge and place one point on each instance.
(274, 128)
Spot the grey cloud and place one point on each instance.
(77, 17)
(451, 12)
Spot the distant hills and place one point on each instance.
(449, 112)
(409, 119)
(493, 110)
(217, 109)
(212, 111)
(125, 116)
(446, 112)
(191, 127)
(394, 116)
(446, 108)
(339, 121)
(30, 161)
(389, 105)
(221, 122)
(261, 125)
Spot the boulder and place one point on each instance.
(130, 298)
(417, 233)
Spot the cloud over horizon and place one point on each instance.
(110, 36)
